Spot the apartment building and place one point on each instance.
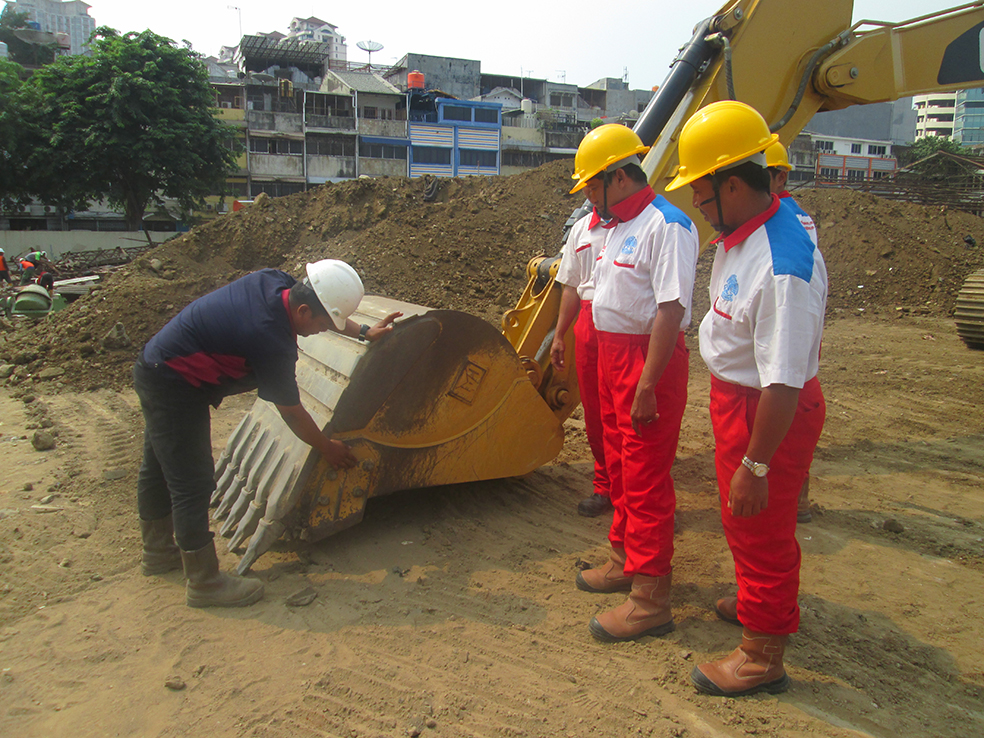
(70, 17)
(839, 159)
(318, 31)
(935, 114)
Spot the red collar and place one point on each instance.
(285, 296)
(747, 228)
(784, 194)
(595, 218)
(630, 207)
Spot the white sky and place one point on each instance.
(575, 41)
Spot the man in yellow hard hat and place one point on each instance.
(777, 162)
(576, 273)
(643, 287)
(761, 343)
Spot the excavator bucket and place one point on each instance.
(443, 399)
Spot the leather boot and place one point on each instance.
(608, 578)
(208, 587)
(804, 512)
(727, 609)
(593, 506)
(755, 666)
(160, 552)
(645, 612)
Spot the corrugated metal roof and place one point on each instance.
(366, 82)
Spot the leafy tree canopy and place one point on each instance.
(130, 124)
(929, 145)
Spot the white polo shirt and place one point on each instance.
(768, 297)
(578, 256)
(805, 220)
(649, 259)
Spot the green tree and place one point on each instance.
(929, 145)
(11, 127)
(131, 124)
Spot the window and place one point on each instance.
(829, 174)
(368, 112)
(470, 158)
(382, 151)
(522, 158)
(876, 150)
(486, 115)
(453, 112)
(824, 145)
(331, 145)
(879, 175)
(855, 175)
(280, 146)
(277, 189)
(431, 155)
(855, 148)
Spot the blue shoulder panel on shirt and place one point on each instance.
(671, 213)
(793, 205)
(792, 249)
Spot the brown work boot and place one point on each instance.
(645, 612)
(208, 587)
(804, 512)
(160, 552)
(593, 506)
(608, 578)
(727, 609)
(755, 666)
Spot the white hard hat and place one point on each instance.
(338, 287)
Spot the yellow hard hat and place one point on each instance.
(601, 148)
(776, 156)
(723, 133)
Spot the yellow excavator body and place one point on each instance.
(447, 398)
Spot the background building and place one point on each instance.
(935, 114)
(70, 17)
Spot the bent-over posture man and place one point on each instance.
(242, 336)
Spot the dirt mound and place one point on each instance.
(467, 251)
(883, 254)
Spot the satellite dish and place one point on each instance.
(370, 46)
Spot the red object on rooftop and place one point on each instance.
(415, 80)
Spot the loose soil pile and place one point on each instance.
(467, 251)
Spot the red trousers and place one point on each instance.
(586, 361)
(639, 465)
(766, 553)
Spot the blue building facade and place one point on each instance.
(968, 122)
(451, 138)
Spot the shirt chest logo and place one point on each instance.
(730, 291)
(625, 253)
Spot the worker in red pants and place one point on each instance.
(576, 274)
(777, 162)
(761, 343)
(644, 279)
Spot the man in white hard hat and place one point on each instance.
(240, 337)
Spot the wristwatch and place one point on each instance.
(363, 330)
(755, 467)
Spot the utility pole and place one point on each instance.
(240, 12)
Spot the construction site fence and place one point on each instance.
(968, 198)
(59, 243)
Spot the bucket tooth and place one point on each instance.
(247, 525)
(267, 533)
(250, 462)
(262, 472)
(234, 440)
(237, 451)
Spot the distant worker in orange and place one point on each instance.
(777, 162)
(4, 269)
